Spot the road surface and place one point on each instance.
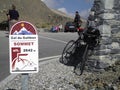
(50, 44)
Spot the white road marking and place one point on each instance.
(53, 39)
(51, 57)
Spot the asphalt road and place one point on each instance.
(50, 44)
(4, 55)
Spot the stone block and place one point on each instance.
(101, 65)
(115, 45)
(103, 46)
(106, 59)
(105, 29)
(115, 30)
(116, 57)
(108, 16)
(106, 40)
(117, 35)
(108, 4)
(115, 51)
(116, 40)
(103, 52)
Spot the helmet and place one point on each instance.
(76, 12)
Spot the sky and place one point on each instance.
(70, 6)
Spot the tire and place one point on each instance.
(68, 51)
(65, 30)
(79, 68)
(84, 59)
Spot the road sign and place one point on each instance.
(23, 46)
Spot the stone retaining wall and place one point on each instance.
(107, 13)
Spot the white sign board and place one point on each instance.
(23, 46)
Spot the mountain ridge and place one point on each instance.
(35, 12)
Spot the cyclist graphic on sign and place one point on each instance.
(20, 61)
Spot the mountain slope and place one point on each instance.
(61, 13)
(34, 11)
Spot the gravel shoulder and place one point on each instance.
(55, 76)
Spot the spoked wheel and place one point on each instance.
(81, 65)
(68, 51)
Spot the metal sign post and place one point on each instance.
(25, 80)
(23, 45)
